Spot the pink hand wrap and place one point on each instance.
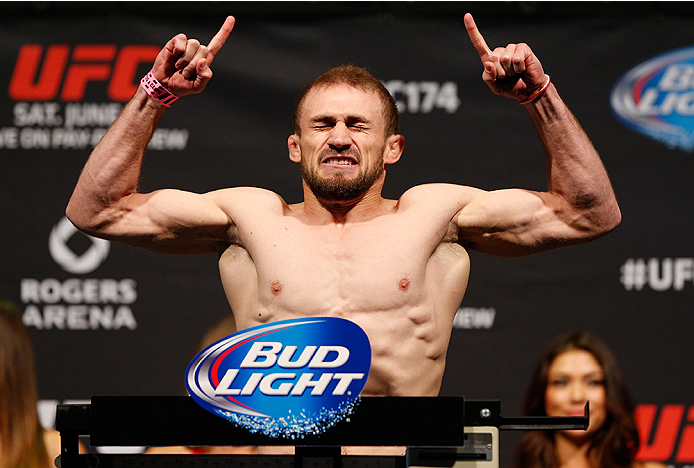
(156, 90)
(537, 93)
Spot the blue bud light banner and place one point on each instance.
(285, 379)
(656, 98)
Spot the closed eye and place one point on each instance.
(359, 123)
(360, 128)
(322, 121)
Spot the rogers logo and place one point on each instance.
(65, 71)
(78, 303)
(89, 261)
(284, 379)
(656, 98)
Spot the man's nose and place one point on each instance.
(339, 137)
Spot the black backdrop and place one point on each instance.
(107, 319)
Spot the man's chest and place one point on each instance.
(342, 260)
(367, 266)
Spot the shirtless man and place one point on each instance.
(397, 268)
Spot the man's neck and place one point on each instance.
(341, 212)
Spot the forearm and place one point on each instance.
(113, 168)
(576, 172)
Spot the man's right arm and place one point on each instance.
(105, 202)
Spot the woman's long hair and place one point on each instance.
(615, 443)
(21, 435)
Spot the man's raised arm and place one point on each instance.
(105, 202)
(580, 204)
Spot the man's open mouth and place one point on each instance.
(340, 161)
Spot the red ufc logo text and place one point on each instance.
(73, 69)
(659, 437)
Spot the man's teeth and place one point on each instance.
(340, 162)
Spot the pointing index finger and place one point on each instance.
(476, 37)
(220, 38)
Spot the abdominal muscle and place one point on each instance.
(406, 308)
(407, 356)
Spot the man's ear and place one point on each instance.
(395, 144)
(294, 150)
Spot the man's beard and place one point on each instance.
(339, 188)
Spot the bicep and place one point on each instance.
(168, 221)
(516, 222)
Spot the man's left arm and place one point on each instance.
(577, 176)
(580, 204)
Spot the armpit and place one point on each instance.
(233, 238)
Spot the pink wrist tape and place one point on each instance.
(156, 90)
(537, 93)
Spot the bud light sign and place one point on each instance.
(284, 379)
(656, 98)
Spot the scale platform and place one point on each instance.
(436, 431)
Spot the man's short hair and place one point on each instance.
(357, 77)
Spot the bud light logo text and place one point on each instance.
(284, 379)
(656, 98)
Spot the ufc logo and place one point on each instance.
(66, 73)
(659, 437)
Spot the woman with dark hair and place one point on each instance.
(21, 435)
(575, 369)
